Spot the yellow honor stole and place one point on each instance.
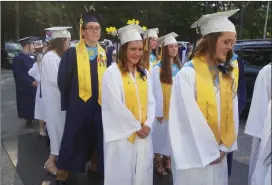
(166, 93)
(206, 100)
(136, 99)
(83, 71)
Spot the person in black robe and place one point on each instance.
(241, 103)
(25, 85)
(83, 132)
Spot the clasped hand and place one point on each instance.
(143, 132)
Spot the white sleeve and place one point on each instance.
(34, 72)
(50, 68)
(192, 141)
(259, 104)
(157, 91)
(118, 121)
(151, 104)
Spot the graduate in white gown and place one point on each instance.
(54, 117)
(35, 73)
(128, 109)
(203, 115)
(257, 114)
(163, 75)
(150, 48)
(262, 172)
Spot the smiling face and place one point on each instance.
(224, 44)
(134, 52)
(91, 31)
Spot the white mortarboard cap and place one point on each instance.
(151, 33)
(129, 33)
(168, 39)
(217, 22)
(58, 32)
(38, 44)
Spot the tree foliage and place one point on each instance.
(168, 16)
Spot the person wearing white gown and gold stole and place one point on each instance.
(257, 114)
(203, 115)
(150, 47)
(163, 75)
(128, 109)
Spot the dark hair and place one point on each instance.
(58, 45)
(166, 67)
(122, 61)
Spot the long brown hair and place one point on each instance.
(207, 44)
(146, 54)
(166, 67)
(123, 63)
(58, 45)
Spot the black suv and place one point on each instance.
(255, 54)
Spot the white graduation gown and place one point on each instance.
(39, 113)
(193, 143)
(124, 163)
(54, 117)
(262, 172)
(160, 133)
(257, 114)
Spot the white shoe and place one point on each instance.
(43, 133)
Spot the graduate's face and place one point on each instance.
(153, 43)
(134, 51)
(66, 44)
(224, 44)
(172, 50)
(92, 31)
(113, 58)
(31, 48)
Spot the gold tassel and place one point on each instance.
(161, 50)
(146, 42)
(80, 28)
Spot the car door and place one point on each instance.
(255, 58)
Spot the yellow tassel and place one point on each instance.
(146, 42)
(161, 50)
(80, 28)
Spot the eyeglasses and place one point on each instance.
(94, 29)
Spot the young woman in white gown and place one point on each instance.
(54, 117)
(204, 118)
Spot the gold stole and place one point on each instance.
(132, 102)
(166, 92)
(83, 71)
(206, 100)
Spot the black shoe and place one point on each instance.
(58, 182)
(95, 178)
(29, 123)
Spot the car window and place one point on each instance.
(257, 56)
(13, 47)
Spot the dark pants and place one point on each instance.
(229, 160)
